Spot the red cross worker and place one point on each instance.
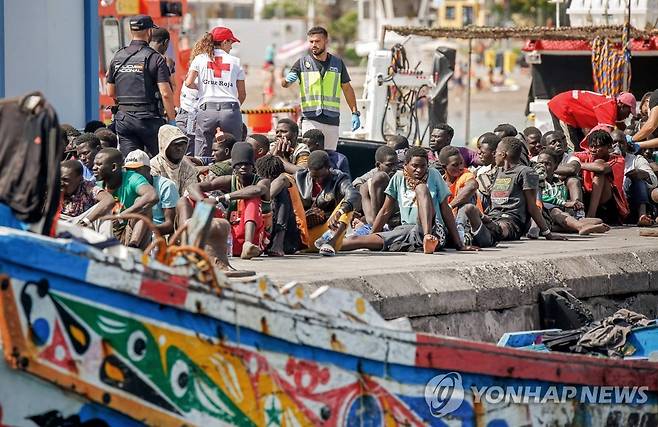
(219, 79)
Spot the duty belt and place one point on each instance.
(138, 107)
(219, 106)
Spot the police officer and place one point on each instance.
(219, 79)
(138, 80)
(322, 77)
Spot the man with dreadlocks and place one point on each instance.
(288, 219)
(427, 220)
(247, 198)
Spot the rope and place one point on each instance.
(608, 64)
(269, 110)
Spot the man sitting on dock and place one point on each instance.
(441, 136)
(329, 200)
(602, 174)
(247, 198)
(513, 201)
(372, 185)
(314, 140)
(132, 194)
(83, 202)
(427, 220)
(293, 153)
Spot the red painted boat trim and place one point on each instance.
(488, 359)
(171, 292)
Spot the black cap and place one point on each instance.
(141, 22)
(242, 152)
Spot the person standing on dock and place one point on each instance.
(219, 78)
(322, 78)
(577, 111)
(139, 81)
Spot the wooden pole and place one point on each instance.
(627, 47)
(467, 121)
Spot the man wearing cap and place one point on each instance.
(132, 194)
(247, 198)
(219, 79)
(576, 110)
(139, 82)
(164, 211)
(171, 162)
(322, 78)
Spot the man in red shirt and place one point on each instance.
(602, 173)
(578, 111)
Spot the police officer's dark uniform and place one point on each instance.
(136, 71)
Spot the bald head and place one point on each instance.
(108, 164)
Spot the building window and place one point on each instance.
(450, 13)
(366, 9)
(467, 13)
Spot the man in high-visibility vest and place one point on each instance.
(322, 78)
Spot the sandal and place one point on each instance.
(327, 250)
(645, 221)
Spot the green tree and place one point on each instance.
(343, 30)
(283, 9)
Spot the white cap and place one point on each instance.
(136, 159)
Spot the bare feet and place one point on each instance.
(249, 251)
(594, 228)
(430, 242)
(645, 221)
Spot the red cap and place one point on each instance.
(219, 34)
(627, 98)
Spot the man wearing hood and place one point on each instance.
(171, 162)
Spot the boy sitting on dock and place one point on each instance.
(461, 181)
(427, 220)
(513, 201)
(555, 198)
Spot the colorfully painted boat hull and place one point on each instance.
(151, 345)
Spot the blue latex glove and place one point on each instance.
(635, 145)
(172, 122)
(292, 77)
(356, 122)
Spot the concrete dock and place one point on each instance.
(482, 295)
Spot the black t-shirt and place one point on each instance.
(322, 66)
(653, 99)
(507, 197)
(157, 68)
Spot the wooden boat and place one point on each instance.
(122, 339)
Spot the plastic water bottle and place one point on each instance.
(229, 246)
(461, 231)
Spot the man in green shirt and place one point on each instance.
(132, 194)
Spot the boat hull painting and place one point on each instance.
(251, 355)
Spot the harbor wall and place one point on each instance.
(483, 301)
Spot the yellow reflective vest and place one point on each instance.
(320, 94)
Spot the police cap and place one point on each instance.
(141, 22)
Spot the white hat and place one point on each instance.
(136, 159)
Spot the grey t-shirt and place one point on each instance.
(507, 197)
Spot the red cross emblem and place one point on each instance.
(218, 66)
